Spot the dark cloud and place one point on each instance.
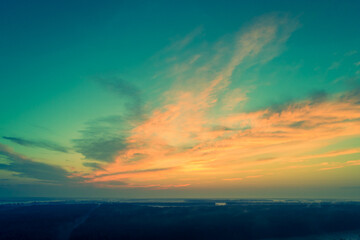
(278, 108)
(318, 96)
(127, 91)
(351, 96)
(25, 167)
(136, 171)
(221, 128)
(314, 97)
(305, 124)
(38, 144)
(266, 159)
(93, 165)
(115, 183)
(297, 124)
(103, 138)
(102, 149)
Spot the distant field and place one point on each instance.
(191, 219)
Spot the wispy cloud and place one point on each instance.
(183, 42)
(25, 167)
(45, 144)
(181, 136)
(199, 136)
(128, 92)
(103, 138)
(341, 165)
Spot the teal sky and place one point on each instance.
(109, 99)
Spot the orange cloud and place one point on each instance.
(193, 135)
(233, 179)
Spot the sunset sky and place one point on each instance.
(140, 99)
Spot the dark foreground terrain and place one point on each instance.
(190, 219)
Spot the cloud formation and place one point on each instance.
(196, 137)
(38, 144)
(126, 91)
(183, 125)
(102, 139)
(25, 167)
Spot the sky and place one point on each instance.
(180, 99)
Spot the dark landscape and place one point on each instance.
(180, 219)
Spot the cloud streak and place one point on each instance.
(128, 92)
(38, 144)
(25, 167)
